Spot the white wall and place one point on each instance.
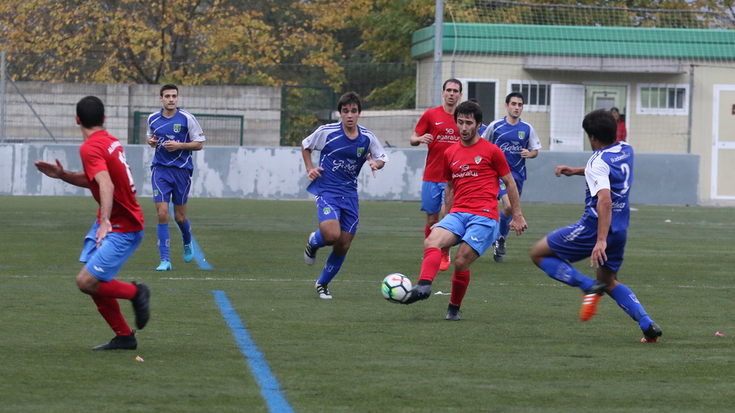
(279, 173)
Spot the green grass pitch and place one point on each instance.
(518, 348)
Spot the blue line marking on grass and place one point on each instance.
(269, 387)
(198, 254)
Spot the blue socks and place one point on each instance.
(334, 264)
(185, 232)
(563, 271)
(629, 303)
(317, 241)
(164, 241)
(504, 224)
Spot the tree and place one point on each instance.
(183, 41)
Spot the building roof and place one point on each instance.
(579, 41)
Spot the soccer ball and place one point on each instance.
(395, 287)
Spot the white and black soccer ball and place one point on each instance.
(395, 287)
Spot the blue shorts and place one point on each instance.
(168, 181)
(477, 231)
(432, 196)
(502, 190)
(576, 242)
(344, 209)
(104, 262)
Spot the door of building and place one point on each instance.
(723, 142)
(566, 115)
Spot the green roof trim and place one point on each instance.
(585, 41)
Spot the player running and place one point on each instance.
(472, 169)
(438, 130)
(518, 140)
(345, 147)
(118, 230)
(602, 231)
(175, 133)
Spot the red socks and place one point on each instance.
(116, 289)
(427, 231)
(460, 281)
(430, 265)
(110, 310)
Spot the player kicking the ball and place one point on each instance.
(472, 169)
(602, 231)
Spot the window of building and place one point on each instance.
(484, 91)
(663, 99)
(537, 94)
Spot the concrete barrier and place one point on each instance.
(279, 173)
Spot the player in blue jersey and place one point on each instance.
(518, 140)
(345, 147)
(175, 134)
(602, 231)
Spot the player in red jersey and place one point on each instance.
(118, 230)
(438, 130)
(471, 169)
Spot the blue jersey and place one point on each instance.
(609, 168)
(511, 139)
(342, 158)
(182, 127)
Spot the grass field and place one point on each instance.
(518, 348)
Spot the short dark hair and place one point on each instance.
(169, 86)
(469, 108)
(348, 98)
(91, 112)
(452, 80)
(601, 124)
(515, 95)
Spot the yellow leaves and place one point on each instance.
(187, 41)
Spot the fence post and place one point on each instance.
(2, 97)
(438, 50)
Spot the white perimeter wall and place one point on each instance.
(279, 173)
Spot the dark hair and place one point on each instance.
(615, 109)
(169, 86)
(91, 112)
(515, 95)
(469, 108)
(348, 98)
(452, 80)
(602, 125)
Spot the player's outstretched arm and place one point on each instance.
(517, 223)
(311, 172)
(569, 171)
(417, 139)
(375, 165)
(57, 171)
(604, 218)
(448, 197)
(172, 145)
(529, 154)
(107, 189)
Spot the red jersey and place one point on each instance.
(442, 127)
(103, 152)
(622, 133)
(475, 172)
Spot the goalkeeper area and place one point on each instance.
(519, 345)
